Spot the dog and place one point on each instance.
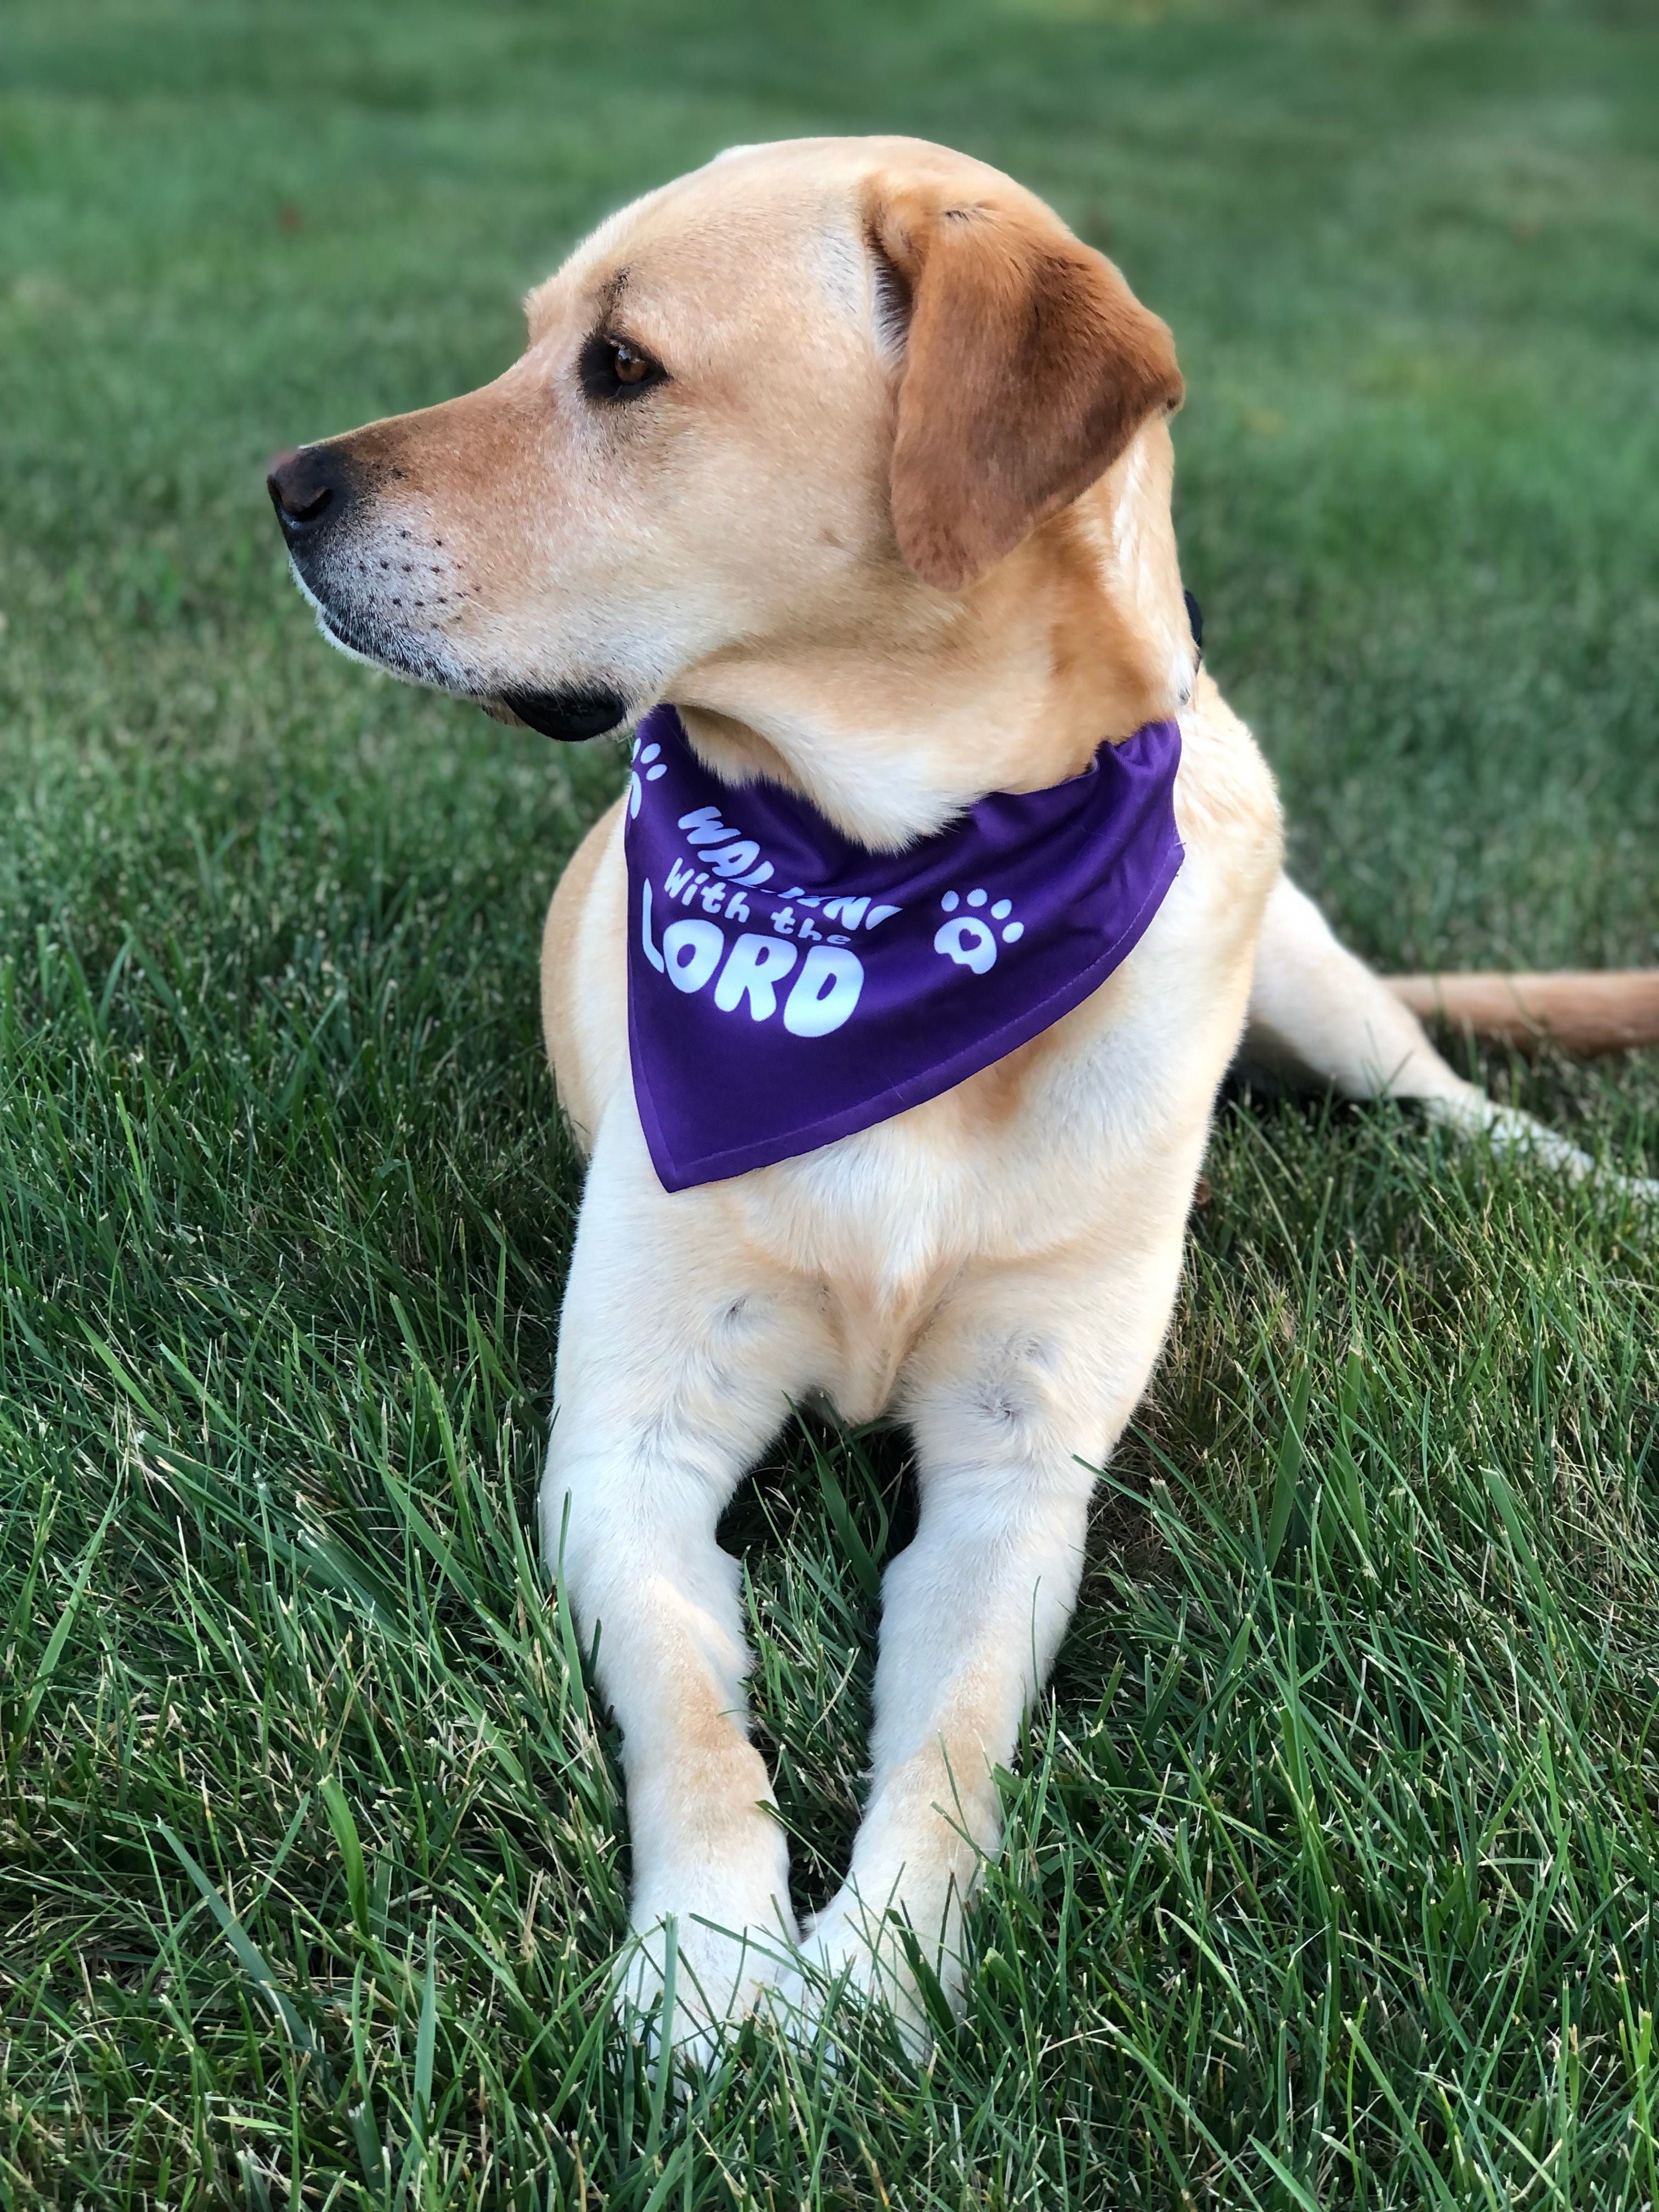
(852, 452)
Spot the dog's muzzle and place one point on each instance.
(317, 492)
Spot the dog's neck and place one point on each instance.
(904, 708)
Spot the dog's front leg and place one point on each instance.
(676, 1365)
(1018, 1392)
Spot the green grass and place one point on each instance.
(1333, 1857)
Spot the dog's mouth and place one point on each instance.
(364, 638)
(570, 714)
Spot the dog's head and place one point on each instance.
(802, 403)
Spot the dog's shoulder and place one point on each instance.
(1225, 794)
(584, 976)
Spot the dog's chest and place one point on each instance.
(1026, 1156)
(1082, 1144)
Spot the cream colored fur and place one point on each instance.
(995, 1269)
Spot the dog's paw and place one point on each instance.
(688, 1983)
(854, 1951)
(1509, 1130)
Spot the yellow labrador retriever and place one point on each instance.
(853, 453)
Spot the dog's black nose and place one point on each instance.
(307, 488)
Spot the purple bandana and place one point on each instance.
(786, 987)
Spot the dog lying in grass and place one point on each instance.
(892, 1001)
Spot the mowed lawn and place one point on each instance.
(1333, 1856)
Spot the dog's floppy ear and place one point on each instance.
(1028, 366)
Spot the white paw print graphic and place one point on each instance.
(642, 767)
(968, 938)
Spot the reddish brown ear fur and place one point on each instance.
(1029, 366)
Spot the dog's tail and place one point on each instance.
(1582, 1011)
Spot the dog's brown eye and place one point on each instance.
(615, 368)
